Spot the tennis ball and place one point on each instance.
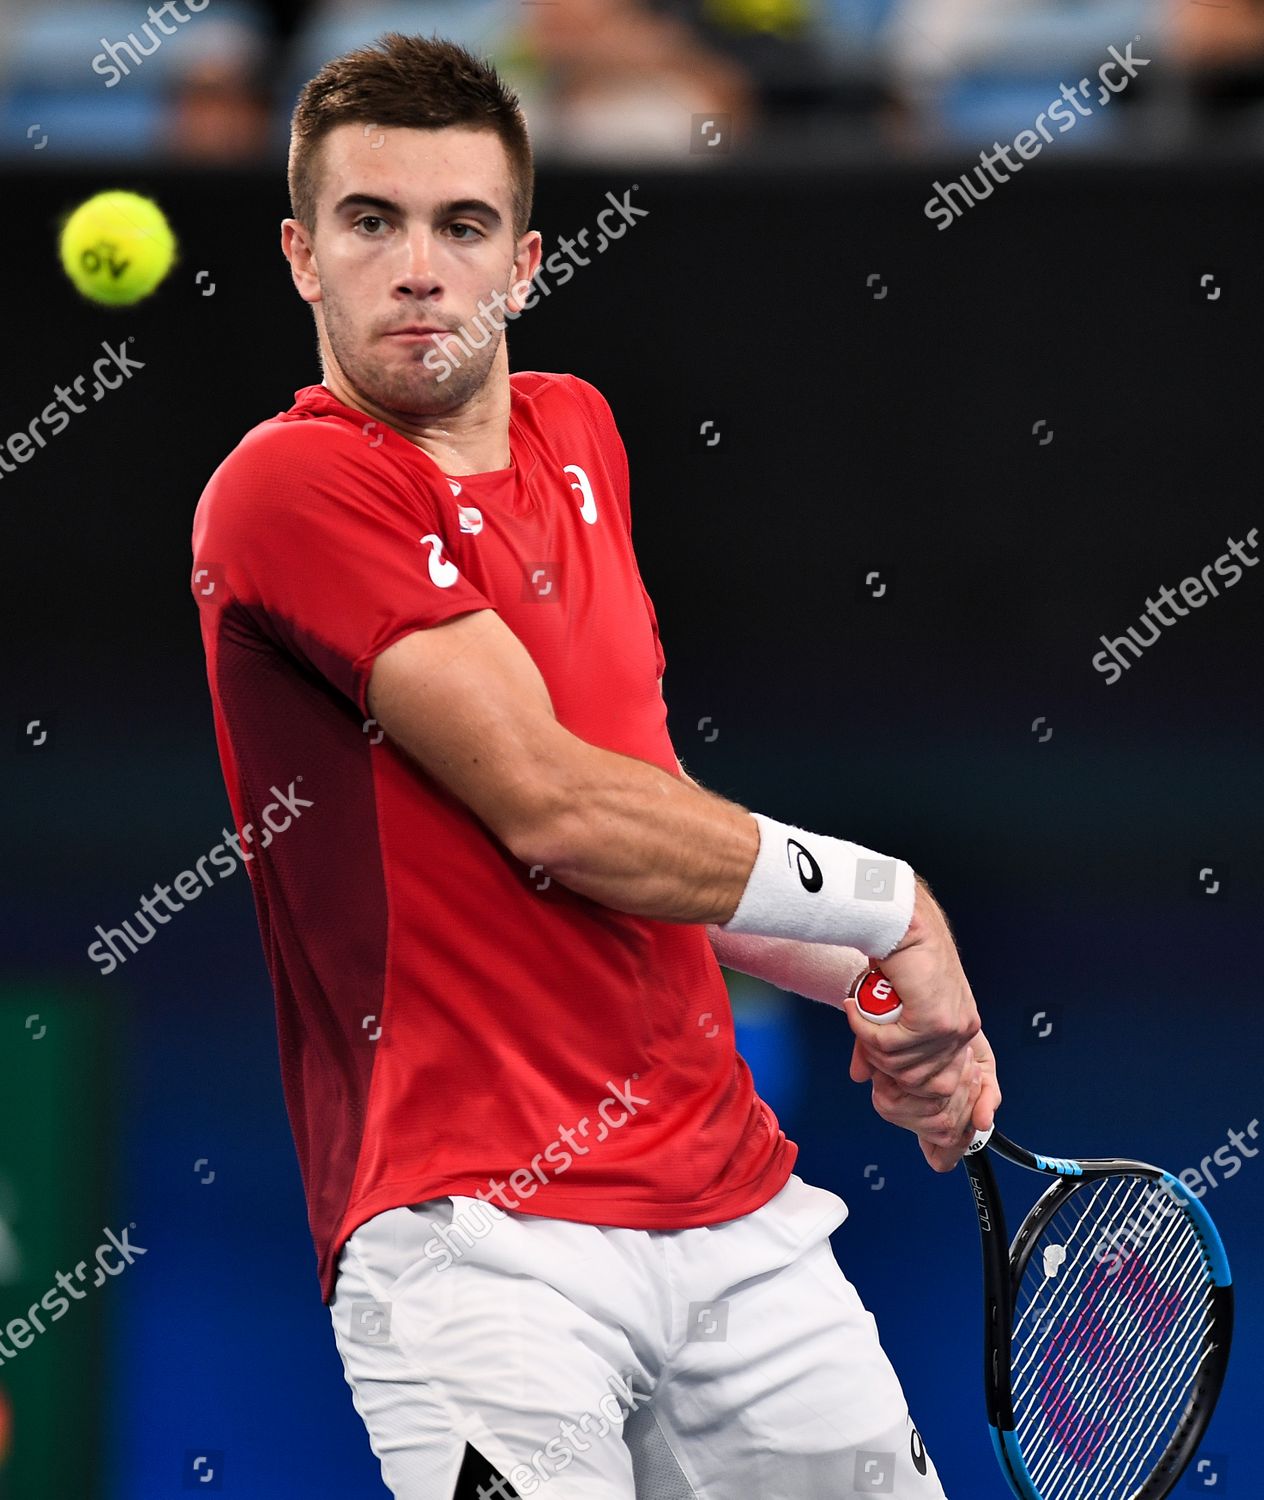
(117, 247)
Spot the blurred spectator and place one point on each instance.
(217, 114)
(972, 69)
(1223, 36)
(217, 109)
(636, 79)
(803, 56)
(821, 67)
(113, 78)
(605, 79)
(938, 38)
(1221, 50)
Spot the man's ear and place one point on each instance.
(298, 249)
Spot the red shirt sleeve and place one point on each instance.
(333, 551)
(597, 409)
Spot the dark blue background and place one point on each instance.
(857, 434)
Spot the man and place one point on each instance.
(553, 1220)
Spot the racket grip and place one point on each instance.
(876, 998)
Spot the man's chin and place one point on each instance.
(422, 395)
(425, 391)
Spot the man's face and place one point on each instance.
(413, 227)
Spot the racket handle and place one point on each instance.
(876, 998)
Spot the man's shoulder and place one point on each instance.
(309, 426)
(566, 399)
(299, 460)
(544, 385)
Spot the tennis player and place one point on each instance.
(554, 1222)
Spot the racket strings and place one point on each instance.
(1071, 1431)
(1069, 1276)
(1098, 1368)
(1134, 1447)
(1105, 1383)
(1098, 1454)
(1122, 1469)
(1064, 1233)
(1082, 1249)
(1136, 1455)
(1077, 1286)
(1120, 1355)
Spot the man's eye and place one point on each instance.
(474, 231)
(369, 219)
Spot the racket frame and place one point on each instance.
(1003, 1267)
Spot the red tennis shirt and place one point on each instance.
(451, 1021)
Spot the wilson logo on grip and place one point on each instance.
(1060, 1165)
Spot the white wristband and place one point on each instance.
(824, 890)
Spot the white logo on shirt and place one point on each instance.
(443, 574)
(455, 486)
(588, 505)
(471, 519)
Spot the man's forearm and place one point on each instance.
(635, 838)
(631, 836)
(818, 971)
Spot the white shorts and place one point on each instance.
(733, 1361)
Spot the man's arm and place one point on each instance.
(818, 971)
(468, 703)
(465, 699)
(826, 972)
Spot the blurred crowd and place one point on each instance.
(674, 81)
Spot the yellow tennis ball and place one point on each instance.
(117, 247)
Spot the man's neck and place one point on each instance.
(472, 440)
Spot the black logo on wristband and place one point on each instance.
(809, 872)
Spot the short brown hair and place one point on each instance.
(425, 82)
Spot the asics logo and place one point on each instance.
(917, 1451)
(588, 501)
(471, 519)
(807, 869)
(443, 573)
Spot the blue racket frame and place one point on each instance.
(1003, 1266)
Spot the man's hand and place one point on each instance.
(944, 1125)
(933, 1070)
(924, 1051)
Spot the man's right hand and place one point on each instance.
(926, 1052)
(944, 1128)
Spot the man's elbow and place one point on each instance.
(539, 826)
(530, 838)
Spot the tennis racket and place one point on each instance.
(1106, 1323)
